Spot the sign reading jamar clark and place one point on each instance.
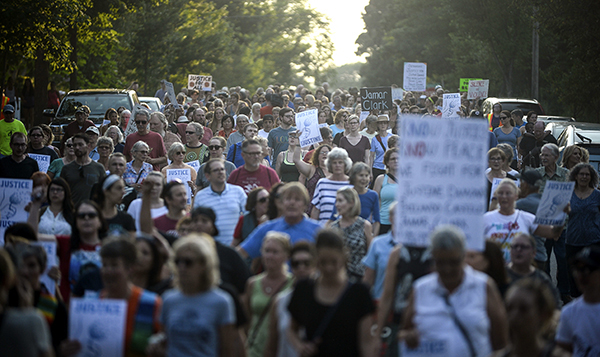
(376, 98)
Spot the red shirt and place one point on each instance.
(264, 176)
(165, 224)
(154, 141)
(267, 109)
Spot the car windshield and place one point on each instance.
(98, 103)
(151, 103)
(525, 107)
(582, 136)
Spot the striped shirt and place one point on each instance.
(324, 197)
(228, 206)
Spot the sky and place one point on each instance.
(346, 24)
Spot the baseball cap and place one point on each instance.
(80, 110)
(93, 129)
(9, 109)
(530, 176)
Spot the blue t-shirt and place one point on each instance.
(369, 207)
(192, 323)
(235, 155)
(379, 150)
(377, 259)
(584, 221)
(510, 139)
(305, 230)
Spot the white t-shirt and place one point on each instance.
(135, 208)
(498, 227)
(263, 133)
(579, 325)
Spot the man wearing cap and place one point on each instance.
(79, 125)
(18, 165)
(158, 154)
(529, 201)
(82, 173)
(579, 326)
(93, 133)
(8, 126)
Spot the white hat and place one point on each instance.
(183, 119)
(93, 129)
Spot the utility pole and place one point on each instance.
(535, 58)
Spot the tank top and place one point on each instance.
(356, 242)
(289, 172)
(311, 184)
(387, 196)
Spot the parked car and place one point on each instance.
(586, 135)
(153, 102)
(99, 101)
(510, 104)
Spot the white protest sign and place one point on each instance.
(478, 88)
(451, 106)
(195, 164)
(42, 160)
(131, 127)
(184, 175)
(199, 82)
(363, 115)
(50, 248)
(99, 325)
(15, 194)
(308, 123)
(555, 198)
(426, 348)
(171, 93)
(397, 93)
(415, 76)
(441, 179)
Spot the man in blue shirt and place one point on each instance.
(294, 223)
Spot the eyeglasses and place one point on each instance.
(353, 123)
(218, 170)
(57, 190)
(215, 147)
(69, 145)
(104, 147)
(145, 152)
(263, 199)
(35, 135)
(520, 246)
(297, 263)
(87, 215)
(180, 153)
(501, 118)
(141, 122)
(187, 262)
(252, 153)
(190, 132)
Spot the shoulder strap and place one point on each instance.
(460, 326)
(329, 315)
(392, 177)
(265, 311)
(380, 142)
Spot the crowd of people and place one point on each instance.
(273, 249)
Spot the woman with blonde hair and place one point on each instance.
(197, 315)
(158, 124)
(176, 154)
(574, 155)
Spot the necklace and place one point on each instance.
(268, 289)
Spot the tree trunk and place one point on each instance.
(73, 83)
(41, 76)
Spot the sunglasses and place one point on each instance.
(190, 132)
(503, 118)
(141, 122)
(263, 199)
(69, 145)
(180, 153)
(36, 135)
(87, 215)
(297, 263)
(215, 147)
(187, 262)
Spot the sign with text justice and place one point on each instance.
(441, 179)
(376, 98)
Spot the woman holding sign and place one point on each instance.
(176, 154)
(506, 222)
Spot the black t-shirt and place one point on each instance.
(45, 151)
(9, 168)
(340, 337)
(232, 267)
(81, 179)
(121, 224)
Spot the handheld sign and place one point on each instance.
(195, 164)
(426, 348)
(184, 175)
(308, 123)
(99, 325)
(464, 84)
(131, 127)
(171, 93)
(42, 160)
(451, 106)
(363, 115)
(376, 98)
(415, 76)
(478, 88)
(15, 194)
(555, 198)
(50, 248)
(441, 179)
(199, 82)
(397, 93)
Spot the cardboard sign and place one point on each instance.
(42, 160)
(195, 164)
(464, 84)
(50, 248)
(99, 325)
(363, 115)
(200, 82)
(441, 180)
(376, 98)
(307, 122)
(171, 93)
(451, 106)
(184, 175)
(478, 88)
(415, 76)
(555, 198)
(15, 194)
(131, 127)
(397, 93)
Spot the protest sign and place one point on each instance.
(307, 122)
(451, 106)
(131, 127)
(397, 93)
(441, 179)
(478, 89)
(99, 326)
(555, 198)
(363, 115)
(426, 348)
(171, 93)
(50, 248)
(42, 160)
(195, 164)
(200, 82)
(15, 194)
(184, 175)
(415, 76)
(376, 98)
(464, 84)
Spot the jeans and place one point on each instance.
(562, 270)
